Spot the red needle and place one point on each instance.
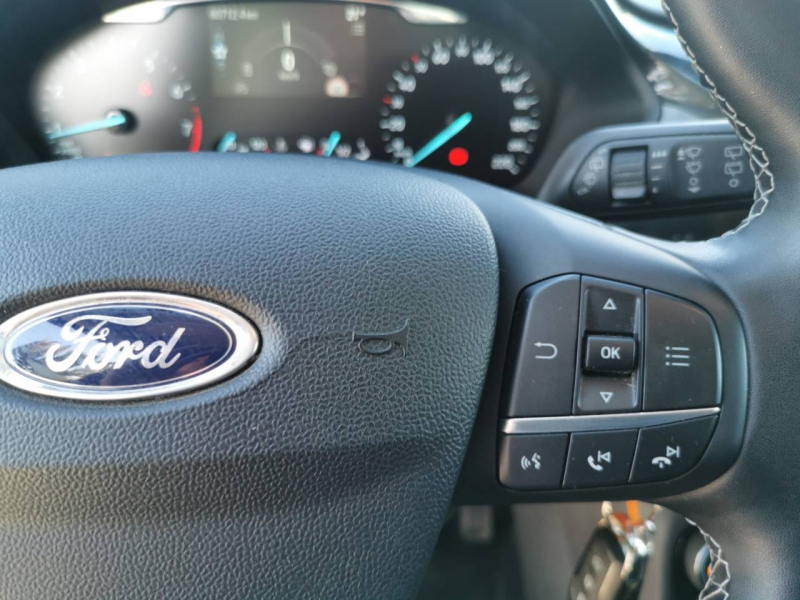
(197, 130)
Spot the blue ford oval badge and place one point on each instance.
(123, 346)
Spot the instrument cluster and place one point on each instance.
(408, 83)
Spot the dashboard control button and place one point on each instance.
(667, 451)
(543, 349)
(711, 167)
(590, 186)
(607, 394)
(653, 172)
(611, 307)
(659, 172)
(532, 462)
(682, 357)
(629, 175)
(599, 459)
(610, 354)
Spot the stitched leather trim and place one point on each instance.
(716, 588)
(759, 161)
(719, 579)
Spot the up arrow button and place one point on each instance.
(610, 307)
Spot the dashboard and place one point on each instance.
(514, 93)
(405, 83)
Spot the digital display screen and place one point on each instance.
(284, 50)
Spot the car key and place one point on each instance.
(613, 563)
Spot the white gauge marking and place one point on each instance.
(287, 33)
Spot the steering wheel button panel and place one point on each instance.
(600, 459)
(533, 462)
(667, 451)
(546, 328)
(682, 356)
(648, 368)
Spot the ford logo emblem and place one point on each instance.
(123, 346)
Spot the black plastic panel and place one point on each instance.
(680, 359)
(689, 166)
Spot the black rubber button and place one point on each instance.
(667, 451)
(543, 349)
(533, 462)
(606, 354)
(682, 362)
(611, 307)
(600, 458)
(607, 394)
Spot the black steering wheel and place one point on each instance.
(385, 303)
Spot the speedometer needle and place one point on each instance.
(114, 119)
(440, 139)
(227, 142)
(333, 140)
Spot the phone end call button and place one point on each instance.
(668, 451)
(599, 459)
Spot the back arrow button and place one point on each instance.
(542, 351)
(548, 356)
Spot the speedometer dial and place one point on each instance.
(466, 105)
(107, 96)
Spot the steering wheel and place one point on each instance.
(384, 300)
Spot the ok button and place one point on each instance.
(605, 354)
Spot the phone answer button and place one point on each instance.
(599, 459)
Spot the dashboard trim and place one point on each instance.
(658, 40)
(155, 11)
(571, 424)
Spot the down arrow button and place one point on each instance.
(606, 394)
